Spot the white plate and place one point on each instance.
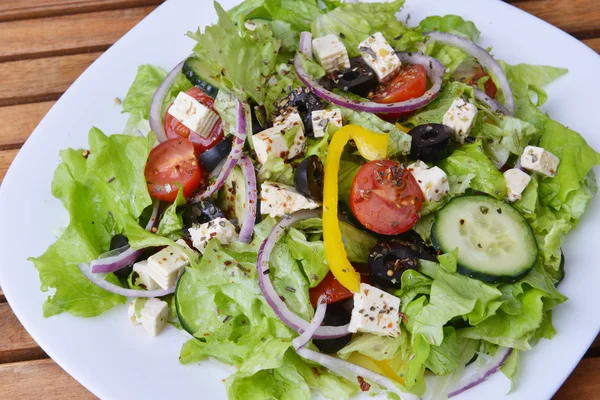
(117, 361)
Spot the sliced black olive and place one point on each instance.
(336, 315)
(308, 178)
(213, 156)
(256, 112)
(304, 101)
(388, 261)
(431, 142)
(359, 79)
(199, 213)
(117, 242)
(415, 242)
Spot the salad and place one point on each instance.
(328, 199)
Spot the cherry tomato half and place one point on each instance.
(385, 197)
(173, 162)
(470, 72)
(175, 129)
(332, 289)
(409, 83)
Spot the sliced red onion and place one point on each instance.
(115, 260)
(98, 280)
(482, 373)
(266, 286)
(239, 138)
(306, 44)
(352, 372)
(156, 122)
(491, 103)
(154, 216)
(316, 322)
(435, 71)
(247, 225)
(484, 58)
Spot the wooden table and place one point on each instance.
(46, 44)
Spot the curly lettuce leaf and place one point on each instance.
(297, 13)
(451, 24)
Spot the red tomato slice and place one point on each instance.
(173, 162)
(385, 197)
(175, 129)
(332, 289)
(411, 82)
(470, 72)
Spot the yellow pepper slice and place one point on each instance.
(402, 128)
(372, 146)
(381, 367)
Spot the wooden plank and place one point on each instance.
(577, 17)
(19, 121)
(2, 298)
(69, 34)
(583, 384)
(52, 76)
(594, 44)
(32, 380)
(12, 10)
(6, 158)
(16, 344)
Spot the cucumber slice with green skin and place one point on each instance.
(232, 196)
(192, 69)
(495, 243)
(561, 270)
(182, 285)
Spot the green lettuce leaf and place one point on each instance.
(276, 170)
(450, 24)
(297, 13)
(310, 254)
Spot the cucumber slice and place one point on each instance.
(232, 196)
(183, 286)
(192, 69)
(495, 243)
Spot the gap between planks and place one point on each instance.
(16, 344)
(13, 10)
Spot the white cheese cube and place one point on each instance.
(219, 228)
(432, 181)
(380, 56)
(460, 117)
(516, 182)
(193, 114)
(331, 53)
(291, 120)
(277, 200)
(165, 266)
(151, 313)
(270, 142)
(322, 118)
(376, 312)
(536, 159)
(143, 276)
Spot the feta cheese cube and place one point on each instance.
(376, 312)
(277, 200)
(270, 142)
(536, 159)
(380, 56)
(165, 266)
(143, 276)
(331, 53)
(219, 228)
(516, 182)
(151, 313)
(460, 117)
(432, 181)
(193, 114)
(290, 121)
(322, 118)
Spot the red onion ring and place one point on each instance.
(115, 260)
(247, 225)
(491, 103)
(232, 159)
(484, 58)
(306, 44)
(156, 123)
(352, 372)
(154, 216)
(435, 71)
(99, 281)
(266, 286)
(316, 322)
(492, 367)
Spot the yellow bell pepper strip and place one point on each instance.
(382, 367)
(402, 128)
(372, 146)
